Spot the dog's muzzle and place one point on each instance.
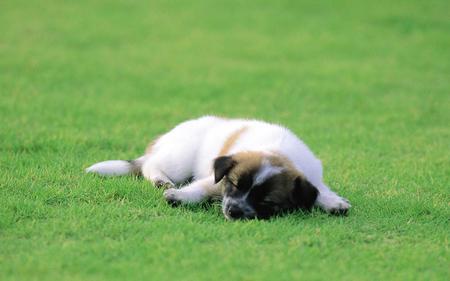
(234, 209)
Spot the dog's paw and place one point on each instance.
(171, 197)
(335, 205)
(162, 184)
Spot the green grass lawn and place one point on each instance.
(365, 83)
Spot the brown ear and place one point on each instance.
(304, 194)
(222, 165)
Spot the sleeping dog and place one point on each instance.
(255, 168)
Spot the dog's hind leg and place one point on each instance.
(195, 192)
(154, 174)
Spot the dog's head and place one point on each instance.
(259, 185)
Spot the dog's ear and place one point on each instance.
(222, 165)
(304, 193)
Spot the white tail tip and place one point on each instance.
(111, 168)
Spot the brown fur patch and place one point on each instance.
(282, 161)
(247, 163)
(281, 185)
(284, 184)
(231, 140)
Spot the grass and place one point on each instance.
(365, 84)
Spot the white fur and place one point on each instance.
(266, 171)
(188, 151)
(111, 168)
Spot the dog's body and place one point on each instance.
(257, 169)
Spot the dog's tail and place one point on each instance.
(117, 167)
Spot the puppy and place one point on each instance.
(257, 169)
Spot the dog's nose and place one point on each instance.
(235, 212)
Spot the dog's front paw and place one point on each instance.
(335, 205)
(171, 196)
(341, 207)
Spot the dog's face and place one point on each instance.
(258, 185)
